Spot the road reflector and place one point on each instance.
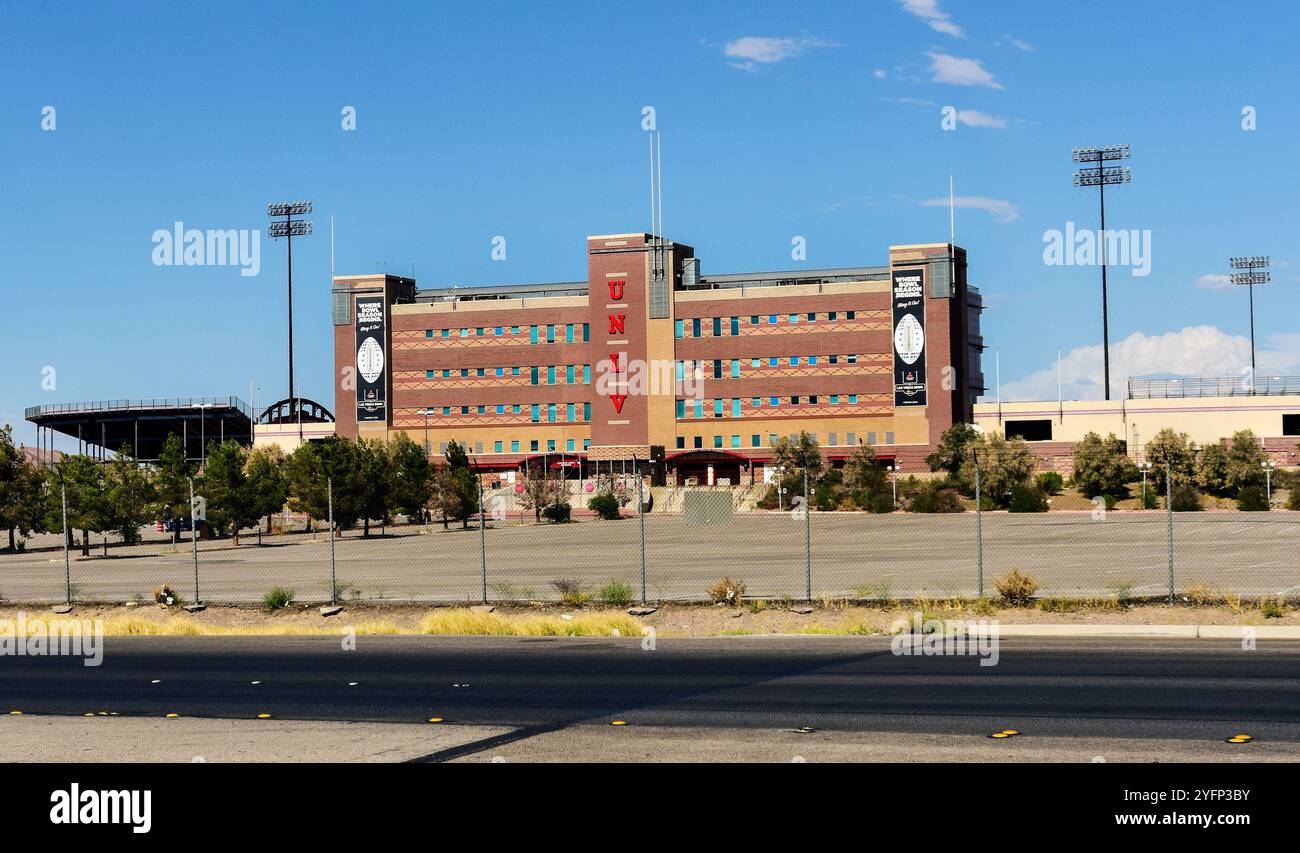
(172, 715)
(88, 714)
(618, 723)
(1004, 734)
(435, 719)
(15, 713)
(1240, 739)
(264, 716)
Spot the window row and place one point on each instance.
(722, 326)
(552, 373)
(733, 367)
(550, 445)
(537, 412)
(721, 408)
(568, 332)
(756, 440)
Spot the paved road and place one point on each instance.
(852, 554)
(557, 697)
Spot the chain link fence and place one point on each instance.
(677, 543)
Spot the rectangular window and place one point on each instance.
(717, 368)
(446, 333)
(681, 442)
(771, 319)
(1291, 424)
(834, 439)
(699, 408)
(755, 440)
(480, 372)
(586, 442)
(853, 398)
(532, 334)
(569, 445)
(699, 442)
(717, 441)
(428, 333)
(695, 327)
(568, 333)
(794, 361)
(772, 439)
(835, 399)
(586, 332)
(717, 327)
(680, 367)
(717, 408)
(500, 330)
(771, 362)
(753, 362)
(753, 320)
(500, 371)
(776, 401)
(849, 315)
(568, 374)
(532, 373)
(735, 441)
(794, 401)
(681, 408)
(831, 316)
(871, 438)
(812, 400)
(482, 410)
(571, 411)
(514, 330)
(478, 333)
(514, 371)
(532, 445)
(516, 409)
(514, 445)
(586, 411)
(550, 333)
(812, 359)
(679, 328)
(1035, 430)
(550, 445)
(498, 446)
(464, 371)
(833, 359)
(428, 374)
(550, 374)
(550, 413)
(536, 412)
(794, 318)
(464, 333)
(757, 402)
(735, 368)
(812, 318)
(851, 359)
(586, 374)
(735, 407)
(850, 438)
(501, 409)
(889, 438)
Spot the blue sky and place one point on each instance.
(820, 120)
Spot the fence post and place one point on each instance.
(194, 543)
(1169, 518)
(979, 524)
(640, 512)
(807, 536)
(482, 532)
(67, 565)
(334, 581)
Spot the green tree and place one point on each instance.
(1003, 465)
(541, 490)
(458, 487)
(793, 456)
(863, 476)
(1212, 469)
(21, 483)
(412, 477)
(172, 481)
(1172, 451)
(268, 491)
(376, 482)
(129, 495)
(953, 447)
(309, 470)
(88, 509)
(225, 486)
(1245, 461)
(1102, 466)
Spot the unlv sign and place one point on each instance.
(618, 325)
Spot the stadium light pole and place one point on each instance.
(1100, 176)
(289, 229)
(1256, 272)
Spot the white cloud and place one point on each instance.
(1018, 44)
(767, 50)
(929, 11)
(975, 118)
(1003, 211)
(1191, 351)
(879, 74)
(1214, 282)
(960, 72)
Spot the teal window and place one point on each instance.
(478, 332)
(481, 371)
(464, 333)
(735, 326)
(753, 320)
(570, 417)
(536, 413)
(586, 412)
(753, 362)
(850, 315)
(771, 319)
(532, 372)
(500, 330)
(695, 327)
(835, 398)
(550, 333)
(568, 374)
(755, 440)
(757, 402)
(717, 327)
(812, 359)
(514, 371)
(735, 368)
(794, 361)
(428, 374)
(514, 445)
(514, 330)
(681, 408)
(735, 407)
(550, 375)
(735, 441)
(446, 333)
(586, 442)
(464, 371)
(532, 445)
(794, 318)
(550, 413)
(428, 333)
(500, 371)
(532, 334)
(501, 408)
(717, 441)
(586, 374)
(569, 444)
(775, 401)
(679, 329)
(586, 332)
(699, 408)
(771, 362)
(516, 409)
(812, 318)
(717, 408)
(550, 445)
(853, 398)
(498, 446)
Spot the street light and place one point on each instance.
(289, 229)
(1101, 176)
(893, 482)
(1250, 278)
(1268, 465)
(1144, 468)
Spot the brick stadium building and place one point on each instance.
(649, 360)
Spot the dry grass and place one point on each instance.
(474, 623)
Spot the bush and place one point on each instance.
(1186, 498)
(572, 593)
(727, 591)
(278, 598)
(875, 501)
(604, 505)
(558, 512)
(164, 595)
(1293, 499)
(616, 593)
(1148, 499)
(1252, 499)
(1027, 499)
(935, 499)
(1273, 607)
(1016, 589)
(1050, 483)
(1108, 501)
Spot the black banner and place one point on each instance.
(909, 337)
(372, 367)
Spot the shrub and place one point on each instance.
(1027, 499)
(1016, 589)
(1293, 499)
(616, 593)
(557, 512)
(1050, 483)
(1273, 607)
(935, 499)
(874, 501)
(572, 593)
(727, 591)
(604, 505)
(1148, 499)
(278, 598)
(1108, 501)
(1252, 499)
(164, 595)
(1185, 498)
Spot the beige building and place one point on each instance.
(1052, 428)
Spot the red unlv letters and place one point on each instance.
(617, 324)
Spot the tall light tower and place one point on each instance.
(1256, 272)
(1099, 176)
(289, 229)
